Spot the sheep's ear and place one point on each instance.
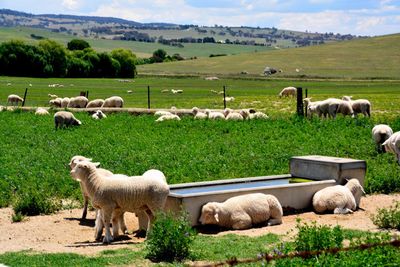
(216, 217)
(362, 190)
(97, 164)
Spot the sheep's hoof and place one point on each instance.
(107, 240)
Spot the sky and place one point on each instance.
(358, 17)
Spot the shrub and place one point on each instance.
(17, 217)
(34, 202)
(170, 238)
(388, 218)
(313, 237)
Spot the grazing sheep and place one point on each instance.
(55, 102)
(41, 111)
(178, 91)
(115, 195)
(129, 91)
(288, 91)
(381, 133)
(52, 96)
(65, 102)
(98, 115)
(96, 103)
(229, 99)
(241, 212)
(78, 102)
(65, 118)
(113, 102)
(325, 107)
(392, 145)
(14, 100)
(164, 90)
(168, 117)
(232, 115)
(198, 115)
(342, 199)
(359, 106)
(214, 91)
(345, 108)
(214, 115)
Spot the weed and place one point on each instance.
(388, 218)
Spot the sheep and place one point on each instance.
(115, 195)
(214, 115)
(342, 199)
(213, 78)
(52, 96)
(380, 133)
(248, 115)
(78, 102)
(159, 113)
(14, 100)
(232, 115)
(345, 108)
(167, 117)
(288, 91)
(359, 106)
(129, 91)
(241, 212)
(96, 103)
(65, 102)
(113, 102)
(98, 115)
(178, 91)
(41, 111)
(65, 118)
(325, 107)
(198, 114)
(392, 145)
(55, 102)
(229, 99)
(164, 90)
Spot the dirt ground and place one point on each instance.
(65, 232)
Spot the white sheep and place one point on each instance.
(78, 102)
(168, 117)
(178, 91)
(213, 78)
(359, 106)
(342, 199)
(96, 103)
(98, 115)
(41, 111)
(345, 108)
(113, 102)
(241, 212)
(52, 96)
(381, 133)
(115, 195)
(229, 99)
(214, 115)
(65, 102)
(14, 100)
(258, 115)
(325, 107)
(288, 91)
(65, 118)
(164, 90)
(55, 102)
(392, 145)
(198, 115)
(232, 115)
(159, 113)
(129, 91)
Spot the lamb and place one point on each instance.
(14, 100)
(198, 115)
(98, 115)
(325, 107)
(159, 113)
(241, 212)
(41, 111)
(214, 115)
(392, 145)
(96, 103)
(78, 102)
(113, 102)
(115, 195)
(381, 133)
(341, 199)
(232, 115)
(168, 117)
(288, 91)
(247, 115)
(359, 106)
(56, 102)
(65, 118)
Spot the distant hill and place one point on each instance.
(370, 58)
(165, 33)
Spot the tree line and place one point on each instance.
(51, 59)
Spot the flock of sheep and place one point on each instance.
(114, 194)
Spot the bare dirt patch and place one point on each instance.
(65, 232)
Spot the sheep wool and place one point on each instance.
(113, 102)
(65, 118)
(14, 100)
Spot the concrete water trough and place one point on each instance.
(320, 171)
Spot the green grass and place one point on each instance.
(365, 58)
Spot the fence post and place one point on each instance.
(305, 112)
(87, 94)
(148, 96)
(26, 91)
(224, 97)
(300, 107)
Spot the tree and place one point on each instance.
(77, 44)
(159, 55)
(126, 60)
(56, 56)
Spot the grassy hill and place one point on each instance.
(376, 57)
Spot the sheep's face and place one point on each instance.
(76, 159)
(76, 122)
(356, 189)
(82, 169)
(209, 213)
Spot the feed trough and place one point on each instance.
(320, 172)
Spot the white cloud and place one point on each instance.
(70, 4)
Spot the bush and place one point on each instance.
(170, 238)
(313, 237)
(34, 202)
(388, 218)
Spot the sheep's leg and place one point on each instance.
(342, 211)
(275, 221)
(115, 221)
(150, 216)
(122, 224)
(85, 202)
(106, 215)
(98, 226)
(242, 221)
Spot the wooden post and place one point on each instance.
(224, 97)
(300, 107)
(305, 112)
(26, 91)
(87, 94)
(148, 96)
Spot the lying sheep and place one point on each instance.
(168, 117)
(65, 102)
(241, 212)
(232, 115)
(96, 103)
(359, 106)
(381, 133)
(392, 145)
(65, 118)
(214, 115)
(341, 199)
(14, 100)
(52, 96)
(115, 195)
(78, 102)
(198, 115)
(98, 115)
(247, 115)
(159, 113)
(55, 102)
(288, 91)
(178, 91)
(41, 111)
(229, 99)
(113, 102)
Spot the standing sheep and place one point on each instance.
(359, 106)
(341, 199)
(65, 118)
(65, 102)
(113, 102)
(14, 100)
(115, 195)
(56, 102)
(392, 145)
(288, 91)
(97, 103)
(381, 133)
(78, 102)
(241, 212)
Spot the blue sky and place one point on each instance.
(360, 17)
